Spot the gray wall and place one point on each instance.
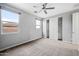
(27, 32)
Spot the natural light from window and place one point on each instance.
(10, 21)
(38, 23)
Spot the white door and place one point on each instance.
(75, 28)
(53, 28)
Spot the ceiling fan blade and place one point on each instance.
(44, 5)
(45, 11)
(50, 8)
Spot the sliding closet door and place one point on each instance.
(75, 28)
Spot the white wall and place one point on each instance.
(27, 32)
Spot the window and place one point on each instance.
(10, 21)
(38, 24)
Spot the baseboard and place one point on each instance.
(17, 44)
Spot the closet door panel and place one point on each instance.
(75, 28)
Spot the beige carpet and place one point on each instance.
(44, 47)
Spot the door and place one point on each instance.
(53, 28)
(75, 28)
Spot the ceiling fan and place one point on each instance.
(44, 8)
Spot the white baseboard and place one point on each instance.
(16, 44)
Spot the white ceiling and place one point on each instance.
(59, 8)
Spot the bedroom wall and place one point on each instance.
(27, 32)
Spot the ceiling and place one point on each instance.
(59, 8)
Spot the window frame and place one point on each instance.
(37, 25)
(1, 25)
